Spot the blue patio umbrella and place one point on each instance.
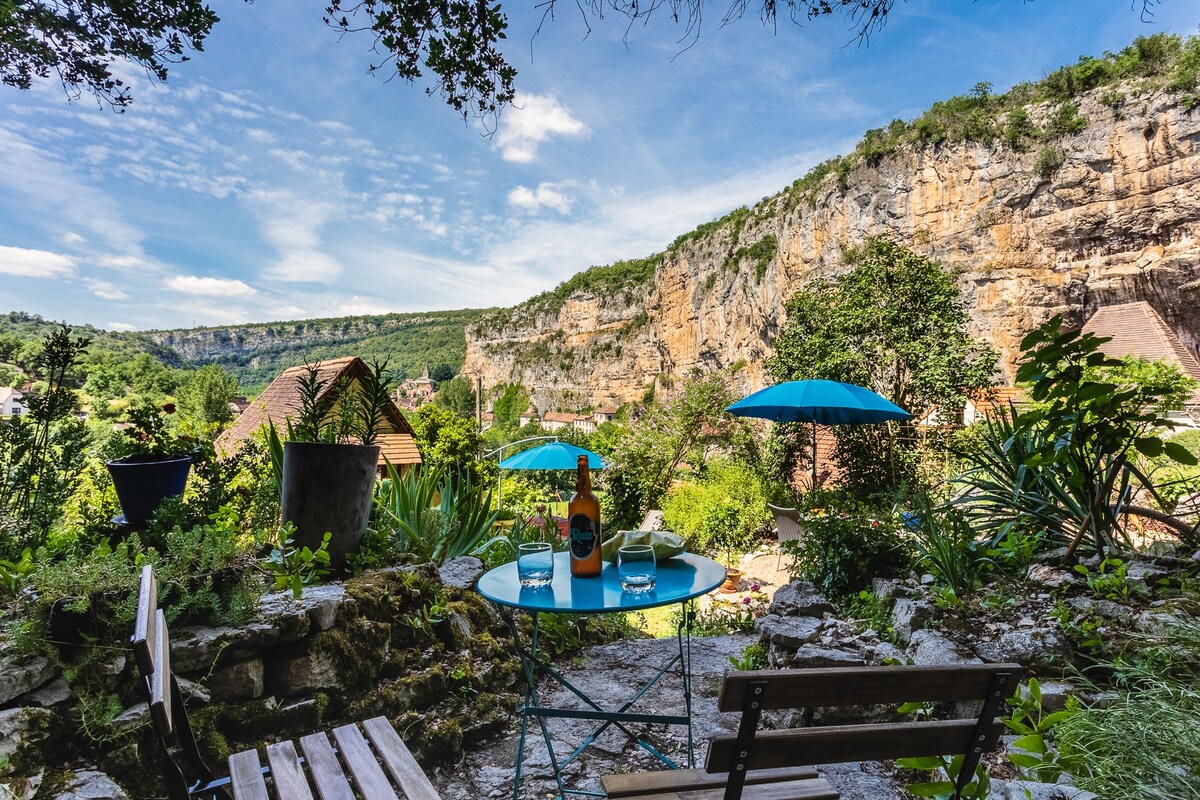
(820, 402)
(552, 455)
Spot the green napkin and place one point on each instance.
(665, 544)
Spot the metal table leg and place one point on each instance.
(531, 707)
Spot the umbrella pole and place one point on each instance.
(813, 488)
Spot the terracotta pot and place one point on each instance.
(733, 579)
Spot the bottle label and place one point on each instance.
(583, 536)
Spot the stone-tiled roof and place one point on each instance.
(281, 400)
(1136, 329)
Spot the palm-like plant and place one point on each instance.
(433, 515)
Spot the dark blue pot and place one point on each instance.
(143, 485)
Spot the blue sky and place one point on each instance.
(270, 178)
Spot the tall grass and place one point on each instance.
(1145, 743)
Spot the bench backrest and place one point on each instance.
(757, 691)
(787, 522)
(151, 643)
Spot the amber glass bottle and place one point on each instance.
(583, 513)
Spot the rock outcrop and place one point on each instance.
(1116, 222)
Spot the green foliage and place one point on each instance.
(206, 394)
(622, 279)
(458, 395)
(1048, 161)
(977, 789)
(945, 546)
(842, 553)
(726, 513)
(1065, 121)
(509, 407)
(1019, 130)
(1032, 753)
(758, 254)
(459, 523)
(1156, 706)
(42, 452)
(649, 451)
(154, 434)
(294, 568)
(449, 442)
(895, 323)
(1109, 581)
(1094, 421)
(724, 617)
(753, 657)
(873, 612)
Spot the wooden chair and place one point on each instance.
(293, 776)
(787, 526)
(752, 765)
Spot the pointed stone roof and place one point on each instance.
(1136, 329)
(281, 400)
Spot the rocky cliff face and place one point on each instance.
(1117, 221)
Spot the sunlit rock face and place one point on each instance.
(1116, 222)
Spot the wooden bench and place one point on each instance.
(378, 764)
(754, 765)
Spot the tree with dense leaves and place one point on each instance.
(206, 395)
(458, 41)
(449, 442)
(458, 395)
(895, 323)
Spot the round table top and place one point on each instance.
(680, 578)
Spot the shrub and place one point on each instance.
(842, 553)
(1048, 162)
(1066, 120)
(724, 514)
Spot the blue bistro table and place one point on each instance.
(680, 580)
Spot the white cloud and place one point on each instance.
(120, 326)
(70, 237)
(106, 291)
(34, 263)
(356, 306)
(291, 223)
(209, 287)
(546, 195)
(532, 120)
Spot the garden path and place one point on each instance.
(609, 671)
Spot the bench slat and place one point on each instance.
(399, 761)
(143, 623)
(372, 783)
(837, 744)
(678, 780)
(160, 679)
(324, 768)
(864, 685)
(246, 778)
(810, 789)
(286, 772)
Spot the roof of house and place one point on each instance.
(7, 391)
(281, 400)
(558, 416)
(606, 410)
(1136, 329)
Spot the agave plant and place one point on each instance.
(435, 516)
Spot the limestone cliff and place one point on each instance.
(1106, 215)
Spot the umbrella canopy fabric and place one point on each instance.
(552, 455)
(818, 401)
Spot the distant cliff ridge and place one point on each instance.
(1069, 207)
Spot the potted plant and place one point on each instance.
(329, 460)
(149, 461)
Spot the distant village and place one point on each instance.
(413, 393)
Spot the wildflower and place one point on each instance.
(745, 601)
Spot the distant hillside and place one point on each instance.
(256, 353)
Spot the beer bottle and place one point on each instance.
(583, 513)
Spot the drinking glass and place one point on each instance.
(636, 568)
(535, 564)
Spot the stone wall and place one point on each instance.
(412, 643)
